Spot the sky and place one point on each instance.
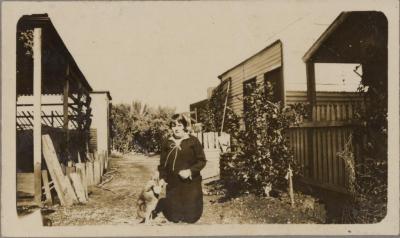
(165, 53)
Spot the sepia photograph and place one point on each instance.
(129, 118)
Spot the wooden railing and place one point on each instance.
(338, 111)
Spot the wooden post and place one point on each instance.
(89, 173)
(52, 118)
(37, 101)
(96, 172)
(65, 112)
(291, 187)
(81, 171)
(226, 103)
(310, 71)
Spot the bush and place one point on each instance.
(261, 156)
(139, 128)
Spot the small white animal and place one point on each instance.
(149, 197)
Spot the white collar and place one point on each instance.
(178, 141)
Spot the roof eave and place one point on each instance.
(325, 35)
(244, 61)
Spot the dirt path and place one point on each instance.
(115, 202)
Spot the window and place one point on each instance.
(273, 84)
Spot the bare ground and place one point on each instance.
(115, 202)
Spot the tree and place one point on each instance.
(139, 127)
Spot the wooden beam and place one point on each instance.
(311, 92)
(65, 112)
(319, 124)
(37, 124)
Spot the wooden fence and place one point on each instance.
(316, 144)
(69, 182)
(209, 140)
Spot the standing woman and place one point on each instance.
(182, 158)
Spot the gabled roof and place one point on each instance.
(295, 38)
(361, 25)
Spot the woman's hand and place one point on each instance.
(185, 173)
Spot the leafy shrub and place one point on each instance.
(261, 155)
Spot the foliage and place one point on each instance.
(214, 113)
(26, 38)
(369, 186)
(366, 184)
(138, 127)
(261, 155)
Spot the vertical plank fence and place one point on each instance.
(209, 141)
(315, 144)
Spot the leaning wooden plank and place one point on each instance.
(80, 169)
(77, 184)
(48, 154)
(46, 188)
(56, 172)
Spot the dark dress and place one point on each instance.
(184, 197)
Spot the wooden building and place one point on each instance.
(351, 41)
(357, 37)
(101, 126)
(280, 63)
(53, 97)
(199, 108)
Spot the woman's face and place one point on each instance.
(178, 129)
